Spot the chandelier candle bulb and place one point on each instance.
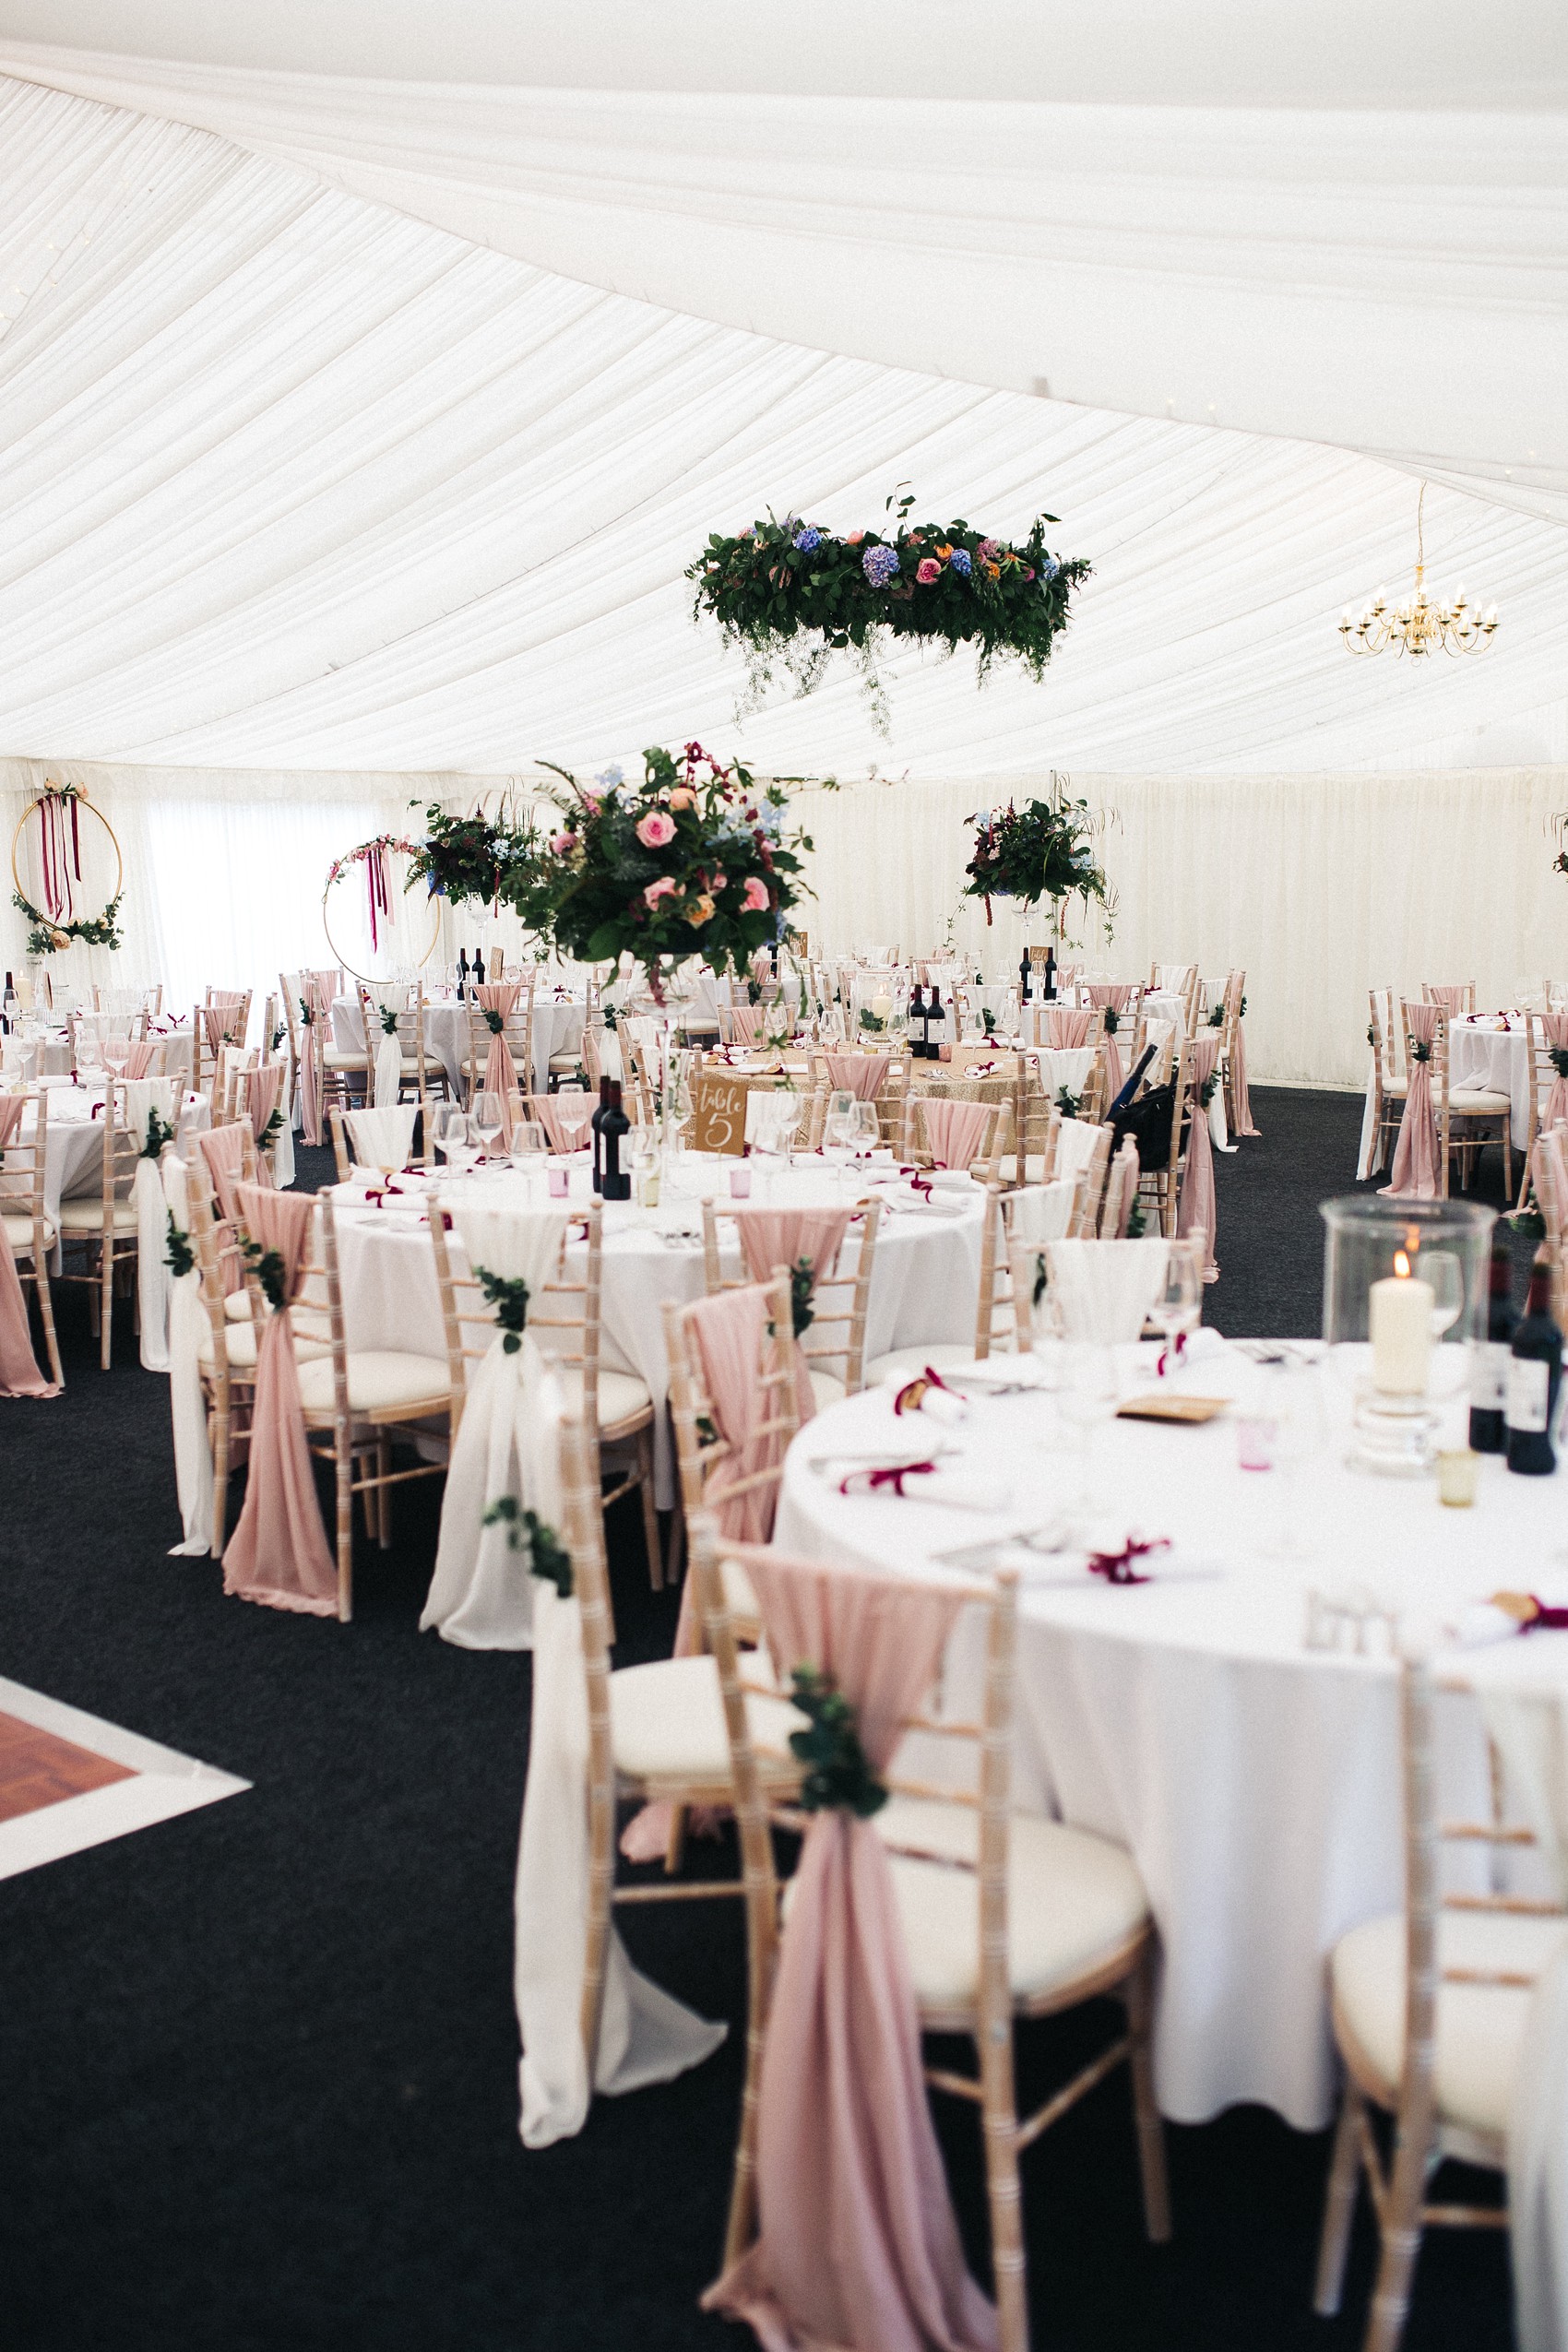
(1400, 1322)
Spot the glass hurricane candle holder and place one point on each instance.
(1404, 1294)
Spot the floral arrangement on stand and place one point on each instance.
(55, 925)
(373, 856)
(793, 591)
(1043, 851)
(693, 861)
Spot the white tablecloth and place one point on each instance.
(1255, 1782)
(1499, 1060)
(924, 1287)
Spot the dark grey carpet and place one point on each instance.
(259, 2066)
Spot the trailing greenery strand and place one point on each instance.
(837, 1774)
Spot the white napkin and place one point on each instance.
(1106, 1288)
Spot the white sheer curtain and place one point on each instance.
(1320, 886)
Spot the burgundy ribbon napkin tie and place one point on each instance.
(1117, 1567)
(877, 1481)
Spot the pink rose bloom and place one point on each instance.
(655, 829)
(663, 888)
(853, 539)
(717, 883)
(927, 570)
(562, 843)
(755, 900)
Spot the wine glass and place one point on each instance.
(1443, 1275)
(574, 1109)
(1177, 1305)
(529, 1146)
(488, 1114)
(839, 1129)
(454, 1138)
(868, 1130)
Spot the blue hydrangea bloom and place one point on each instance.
(808, 539)
(880, 565)
(1049, 568)
(962, 561)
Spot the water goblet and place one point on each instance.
(455, 1140)
(1178, 1303)
(488, 1114)
(529, 1149)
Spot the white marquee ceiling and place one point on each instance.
(291, 479)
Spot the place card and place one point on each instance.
(1192, 1410)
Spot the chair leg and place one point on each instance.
(220, 1478)
(106, 1311)
(650, 1512)
(343, 1462)
(999, 2125)
(1339, 2205)
(674, 1557)
(383, 1493)
(1401, 2241)
(1146, 2113)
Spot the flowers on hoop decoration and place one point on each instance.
(694, 861)
(55, 924)
(464, 857)
(775, 585)
(1043, 851)
(373, 856)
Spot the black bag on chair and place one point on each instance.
(1148, 1121)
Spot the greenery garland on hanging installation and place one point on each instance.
(57, 926)
(1043, 851)
(797, 593)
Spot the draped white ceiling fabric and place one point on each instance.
(291, 480)
(1259, 218)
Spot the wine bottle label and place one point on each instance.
(1529, 1386)
(1489, 1375)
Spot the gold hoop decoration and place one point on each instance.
(55, 927)
(338, 871)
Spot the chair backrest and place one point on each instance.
(517, 1027)
(706, 1458)
(839, 1300)
(22, 1163)
(925, 1143)
(122, 1149)
(568, 1309)
(1456, 997)
(1121, 1192)
(1386, 1035)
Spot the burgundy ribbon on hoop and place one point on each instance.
(875, 1482)
(1117, 1567)
(377, 890)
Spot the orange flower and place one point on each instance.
(683, 797)
(994, 571)
(700, 911)
(945, 554)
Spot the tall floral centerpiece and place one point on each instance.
(794, 591)
(1043, 851)
(694, 860)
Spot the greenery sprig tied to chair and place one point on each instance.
(837, 1770)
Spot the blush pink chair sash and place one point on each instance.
(1450, 997)
(1554, 1028)
(1067, 1024)
(954, 1131)
(140, 1058)
(771, 1237)
(277, 1553)
(856, 2246)
(1117, 996)
(744, 1022)
(216, 1018)
(223, 1149)
(266, 1085)
(499, 1069)
(19, 1375)
(1196, 1206)
(558, 1134)
(858, 1074)
(731, 1330)
(1415, 1171)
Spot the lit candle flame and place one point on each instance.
(1401, 1266)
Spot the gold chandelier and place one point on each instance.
(1417, 627)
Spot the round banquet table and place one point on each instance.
(72, 1159)
(1255, 1781)
(923, 1289)
(1482, 1053)
(557, 1028)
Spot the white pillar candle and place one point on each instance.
(1400, 1322)
(882, 1006)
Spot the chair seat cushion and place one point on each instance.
(240, 1342)
(342, 1057)
(1034, 1167)
(1477, 1102)
(1479, 2028)
(667, 1722)
(381, 1379)
(621, 1397)
(1073, 1900)
(827, 1389)
(86, 1216)
(18, 1233)
(907, 1363)
(237, 1306)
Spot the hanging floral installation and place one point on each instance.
(56, 925)
(373, 856)
(1043, 851)
(793, 592)
(463, 858)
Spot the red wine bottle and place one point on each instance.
(479, 967)
(1050, 990)
(1025, 975)
(616, 1181)
(935, 1024)
(1535, 1374)
(597, 1124)
(918, 1047)
(1489, 1365)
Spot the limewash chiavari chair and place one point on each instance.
(1179, 979)
(518, 1030)
(614, 1407)
(1430, 2009)
(1083, 1152)
(655, 1732)
(356, 1404)
(231, 1008)
(1549, 1090)
(1457, 997)
(1120, 1193)
(1161, 1182)
(838, 1299)
(1390, 1073)
(704, 1456)
(1005, 1915)
(351, 1147)
(1467, 1118)
(30, 1233)
(995, 1318)
(103, 1229)
(917, 1149)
